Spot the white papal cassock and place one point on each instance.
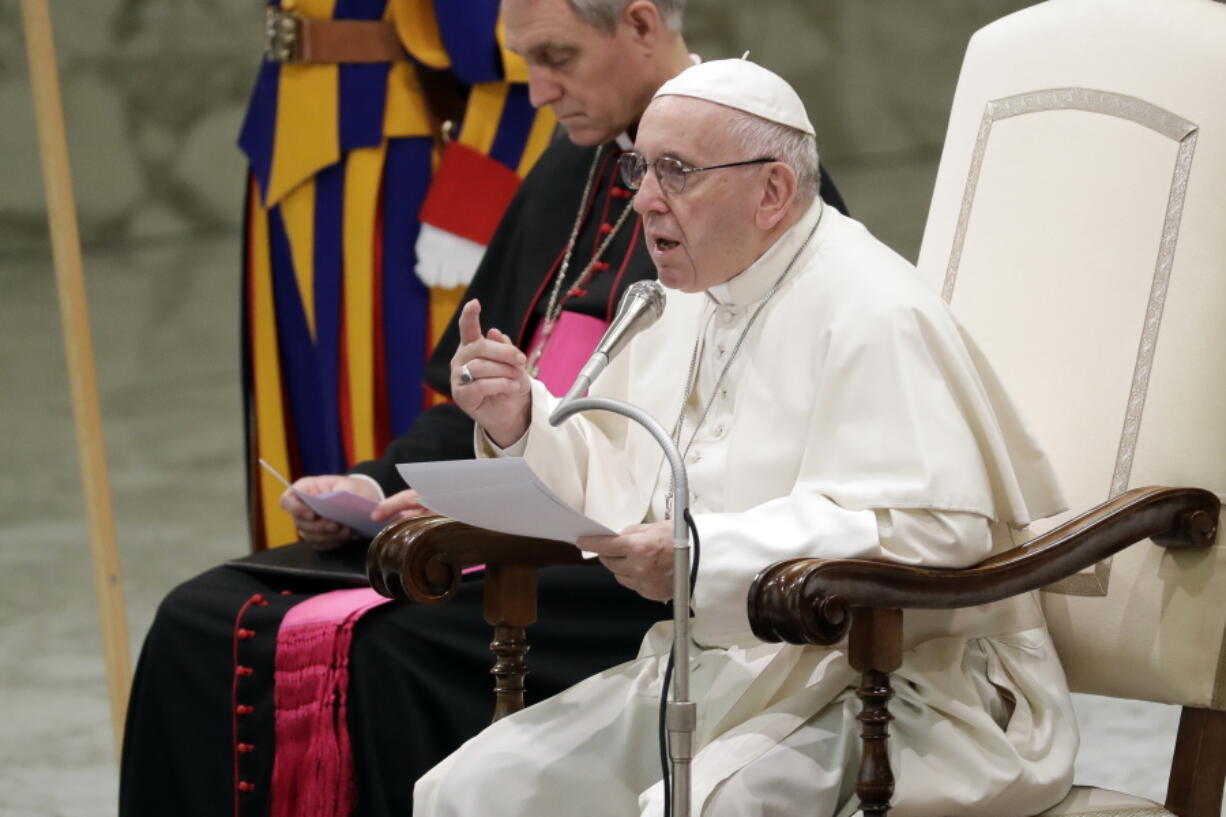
(856, 420)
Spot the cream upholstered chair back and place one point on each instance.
(1078, 230)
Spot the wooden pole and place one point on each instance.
(74, 312)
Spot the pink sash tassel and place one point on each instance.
(313, 769)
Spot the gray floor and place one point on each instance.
(165, 328)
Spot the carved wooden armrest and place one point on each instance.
(808, 601)
(421, 559)
(814, 601)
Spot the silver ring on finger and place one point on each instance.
(466, 376)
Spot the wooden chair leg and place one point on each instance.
(510, 644)
(875, 783)
(510, 606)
(1198, 770)
(875, 649)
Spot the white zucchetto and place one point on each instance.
(745, 86)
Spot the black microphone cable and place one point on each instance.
(668, 677)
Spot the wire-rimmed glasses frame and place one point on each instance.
(671, 172)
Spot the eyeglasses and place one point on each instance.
(670, 172)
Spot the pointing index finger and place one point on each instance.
(470, 322)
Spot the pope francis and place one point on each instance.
(826, 404)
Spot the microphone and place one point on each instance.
(640, 307)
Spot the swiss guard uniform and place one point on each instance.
(344, 288)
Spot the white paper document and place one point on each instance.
(344, 507)
(501, 494)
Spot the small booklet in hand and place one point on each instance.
(344, 507)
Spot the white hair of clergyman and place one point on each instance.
(796, 149)
(603, 14)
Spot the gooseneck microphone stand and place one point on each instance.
(680, 713)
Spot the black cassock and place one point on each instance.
(199, 738)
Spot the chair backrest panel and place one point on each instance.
(1078, 230)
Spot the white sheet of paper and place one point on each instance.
(502, 494)
(347, 508)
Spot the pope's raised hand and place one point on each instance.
(489, 380)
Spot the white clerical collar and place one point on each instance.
(720, 294)
(756, 280)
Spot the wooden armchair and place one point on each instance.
(1078, 231)
(812, 601)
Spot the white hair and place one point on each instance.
(603, 14)
(796, 149)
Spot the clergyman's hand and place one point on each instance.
(324, 534)
(398, 506)
(489, 381)
(641, 558)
